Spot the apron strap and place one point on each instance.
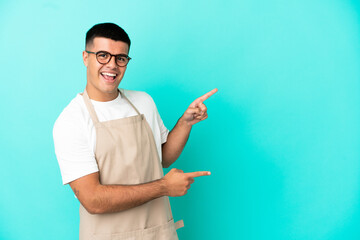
(123, 95)
(90, 107)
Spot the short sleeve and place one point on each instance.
(72, 149)
(164, 132)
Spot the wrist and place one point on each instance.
(163, 187)
(184, 124)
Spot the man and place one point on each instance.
(111, 145)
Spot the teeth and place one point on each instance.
(109, 74)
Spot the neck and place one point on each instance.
(96, 95)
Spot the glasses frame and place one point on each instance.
(111, 55)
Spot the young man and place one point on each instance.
(111, 145)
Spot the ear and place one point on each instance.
(85, 58)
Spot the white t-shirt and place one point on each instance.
(75, 136)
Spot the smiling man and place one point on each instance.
(103, 75)
(111, 146)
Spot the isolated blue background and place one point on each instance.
(282, 138)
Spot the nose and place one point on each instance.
(112, 63)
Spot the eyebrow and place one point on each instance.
(120, 54)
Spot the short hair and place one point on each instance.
(107, 30)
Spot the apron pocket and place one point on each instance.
(165, 231)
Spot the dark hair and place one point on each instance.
(107, 30)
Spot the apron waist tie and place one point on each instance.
(179, 224)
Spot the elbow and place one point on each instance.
(165, 164)
(93, 207)
(168, 159)
(94, 210)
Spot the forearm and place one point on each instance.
(116, 198)
(175, 143)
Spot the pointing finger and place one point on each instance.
(198, 174)
(207, 95)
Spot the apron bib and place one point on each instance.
(126, 154)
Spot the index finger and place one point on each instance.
(207, 95)
(198, 174)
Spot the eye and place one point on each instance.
(121, 59)
(103, 55)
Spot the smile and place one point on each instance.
(109, 77)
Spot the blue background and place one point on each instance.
(282, 138)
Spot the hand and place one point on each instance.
(177, 182)
(197, 110)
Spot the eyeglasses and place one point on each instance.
(104, 57)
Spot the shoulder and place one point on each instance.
(73, 115)
(136, 94)
(139, 97)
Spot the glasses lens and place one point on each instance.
(121, 60)
(103, 57)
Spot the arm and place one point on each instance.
(175, 143)
(179, 135)
(97, 198)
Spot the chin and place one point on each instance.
(107, 90)
(111, 89)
